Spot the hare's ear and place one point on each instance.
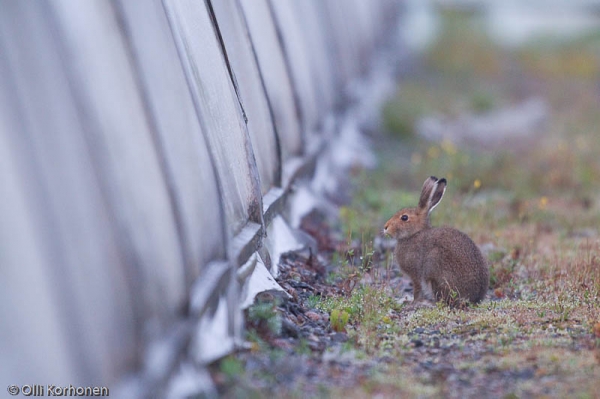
(432, 193)
(438, 193)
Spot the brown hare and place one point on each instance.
(443, 263)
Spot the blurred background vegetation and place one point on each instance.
(550, 173)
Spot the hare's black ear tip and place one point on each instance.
(442, 181)
(433, 178)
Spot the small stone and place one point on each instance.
(288, 328)
(290, 290)
(319, 332)
(419, 330)
(525, 373)
(584, 233)
(293, 318)
(282, 343)
(314, 316)
(417, 343)
(339, 337)
(316, 346)
(313, 338)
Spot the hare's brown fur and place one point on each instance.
(442, 262)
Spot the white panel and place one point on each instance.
(65, 239)
(190, 173)
(299, 56)
(124, 153)
(32, 327)
(277, 81)
(219, 110)
(243, 63)
(315, 34)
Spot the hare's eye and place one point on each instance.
(404, 218)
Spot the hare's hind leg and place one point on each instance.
(422, 295)
(417, 293)
(427, 290)
(422, 290)
(431, 276)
